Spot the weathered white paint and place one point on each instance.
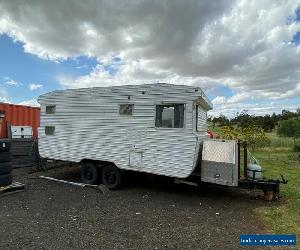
(88, 126)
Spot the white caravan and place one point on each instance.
(154, 128)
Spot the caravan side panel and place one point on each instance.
(88, 126)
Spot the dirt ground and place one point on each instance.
(144, 214)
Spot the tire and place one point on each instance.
(5, 168)
(5, 146)
(111, 177)
(5, 180)
(5, 157)
(89, 173)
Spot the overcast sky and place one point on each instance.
(244, 54)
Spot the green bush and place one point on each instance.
(289, 128)
(296, 148)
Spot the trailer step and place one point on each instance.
(15, 187)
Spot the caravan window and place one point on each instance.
(126, 109)
(49, 130)
(169, 116)
(50, 109)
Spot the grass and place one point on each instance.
(277, 141)
(285, 218)
(277, 159)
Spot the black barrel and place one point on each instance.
(5, 162)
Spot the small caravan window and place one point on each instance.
(169, 116)
(49, 130)
(50, 109)
(126, 109)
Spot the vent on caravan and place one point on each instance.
(126, 109)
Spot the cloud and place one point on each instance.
(4, 99)
(219, 100)
(246, 45)
(9, 81)
(4, 95)
(31, 102)
(231, 109)
(253, 102)
(35, 86)
(239, 97)
(136, 72)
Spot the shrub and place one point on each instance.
(228, 133)
(255, 137)
(296, 148)
(289, 128)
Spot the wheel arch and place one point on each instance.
(99, 163)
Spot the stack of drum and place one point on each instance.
(5, 163)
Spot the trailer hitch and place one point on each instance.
(277, 181)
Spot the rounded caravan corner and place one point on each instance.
(43, 97)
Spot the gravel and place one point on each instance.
(144, 214)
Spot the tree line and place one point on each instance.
(266, 122)
(252, 128)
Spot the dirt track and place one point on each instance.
(144, 214)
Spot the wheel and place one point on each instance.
(111, 177)
(89, 173)
(5, 168)
(5, 179)
(5, 156)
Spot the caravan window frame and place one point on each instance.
(170, 104)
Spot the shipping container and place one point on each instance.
(19, 115)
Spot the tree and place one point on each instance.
(286, 115)
(267, 123)
(222, 120)
(243, 119)
(289, 128)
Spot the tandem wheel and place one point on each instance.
(111, 176)
(89, 172)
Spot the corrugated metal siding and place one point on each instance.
(19, 115)
(88, 126)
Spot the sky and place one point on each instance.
(244, 54)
